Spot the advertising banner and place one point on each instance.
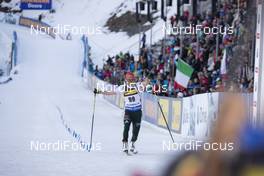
(121, 101)
(176, 116)
(117, 99)
(37, 25)
(149, 108)
(200, 104)
(213, 103)
(112, 99)
(36, 4)
(188, 117)
(258, 64)
(199, 114)
(164, 103)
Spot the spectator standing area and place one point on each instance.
(208, 55)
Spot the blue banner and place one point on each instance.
(36, 4)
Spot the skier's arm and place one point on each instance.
(109, 93)
(96, 91)
(146, 82)
(143, 85)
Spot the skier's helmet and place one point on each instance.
(130, 77)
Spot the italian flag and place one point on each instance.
(183, 73)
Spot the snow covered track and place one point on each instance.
(49, 76)
(82, 145)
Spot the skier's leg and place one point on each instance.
(127, 122)
(136, 120)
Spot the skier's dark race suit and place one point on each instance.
(133, 113)
(133, 110)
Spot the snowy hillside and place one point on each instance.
(86, 13)
(94, 15)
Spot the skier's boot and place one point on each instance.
(133, 148)
(125, 147)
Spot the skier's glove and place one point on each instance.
(96, 91)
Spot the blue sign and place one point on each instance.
(36, 4)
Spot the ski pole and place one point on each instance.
(164, 118)
(91, 137)
(165, 121)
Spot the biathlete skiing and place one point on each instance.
(132, 107)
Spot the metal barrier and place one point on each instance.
(189, 117)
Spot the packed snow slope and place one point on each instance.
(49, 77)
(94, 14)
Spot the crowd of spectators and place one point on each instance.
(199, 50)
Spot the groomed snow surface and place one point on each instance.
(49, 77)
(94, 14)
